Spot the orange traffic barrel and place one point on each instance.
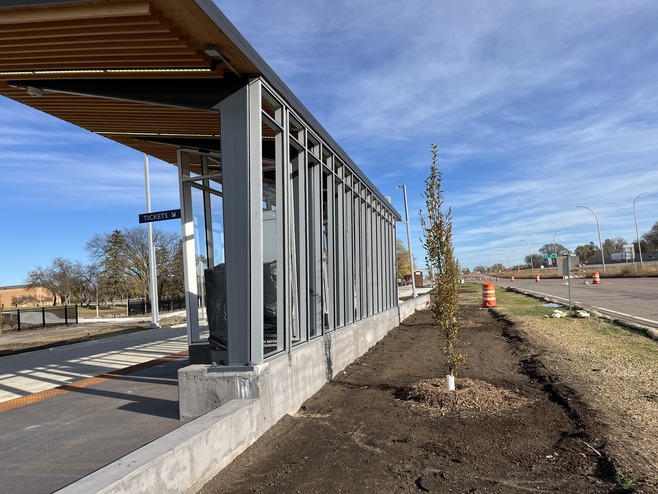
(488, 294)
(537, 279)
(595, 278)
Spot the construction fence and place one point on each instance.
(30, 318)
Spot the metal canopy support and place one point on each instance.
(201, 94)
(242, 185)
(187, 231)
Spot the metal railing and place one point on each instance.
(18, 319)
(142, 306)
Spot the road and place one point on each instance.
(633, 299)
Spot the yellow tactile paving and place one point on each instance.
(85, 383)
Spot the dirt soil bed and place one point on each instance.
(384, 424)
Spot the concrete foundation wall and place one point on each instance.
(234, 407)
(284, 382)
(183, 460)
(410, 306)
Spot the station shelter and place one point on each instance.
(287, 244)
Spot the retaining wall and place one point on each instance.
(235, 407)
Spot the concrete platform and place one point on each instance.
(124, 434)
(53, 442)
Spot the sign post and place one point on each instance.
(565, 265)
(149, 217)
(153, 292)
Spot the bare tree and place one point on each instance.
(612, 245)
(64, 278)
(124, 260)
(651, 238)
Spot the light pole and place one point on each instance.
(532, 267)
(554, 243)
(637, 232)
(155, 316)
(598, 228)
(411, 256)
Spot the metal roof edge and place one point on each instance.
(217, 16)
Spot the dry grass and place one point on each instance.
(616, 270)
(612, 369)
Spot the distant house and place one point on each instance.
(23, 296)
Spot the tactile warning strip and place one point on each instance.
(85, 383)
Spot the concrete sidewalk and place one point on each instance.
(32, 372)
(70, 410)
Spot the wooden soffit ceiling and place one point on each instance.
(142, 73)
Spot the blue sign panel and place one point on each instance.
(172, 214)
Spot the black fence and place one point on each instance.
(18, 319)
(141, 306)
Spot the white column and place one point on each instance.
(153, 292)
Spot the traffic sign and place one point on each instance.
(172, 214)
(549, 256)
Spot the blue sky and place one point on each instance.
(536, 107)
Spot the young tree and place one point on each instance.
(437, 240)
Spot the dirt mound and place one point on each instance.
(470, 396)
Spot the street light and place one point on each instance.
(155, 316)
(637, 232)
(532, 266)
(598, 228)
(411, 256)
(555, 244)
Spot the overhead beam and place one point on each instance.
(200, 94)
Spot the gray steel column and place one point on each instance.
(242, 188)
(189, 257)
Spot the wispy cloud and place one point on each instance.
(536, 107)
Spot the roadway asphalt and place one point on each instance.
(634, 299)
(67, 411)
